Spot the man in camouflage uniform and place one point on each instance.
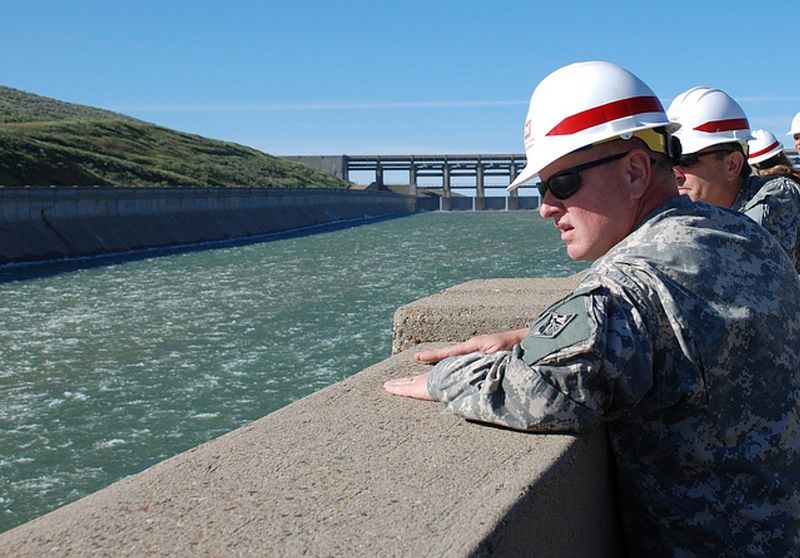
(714, 137)
(681, 338)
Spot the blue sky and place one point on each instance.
(369, 77)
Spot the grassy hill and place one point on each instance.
(46, 142)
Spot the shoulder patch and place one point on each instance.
(562, 325)
(553, 325)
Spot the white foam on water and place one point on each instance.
(205, 415)
(106, 444)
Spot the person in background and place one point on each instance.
(670, 339)
(794, 131)
(713, 166)
(766, 156)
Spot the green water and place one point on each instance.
(106, 370)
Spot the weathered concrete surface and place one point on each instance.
(349, 471)
(353, 471)
(476, 307)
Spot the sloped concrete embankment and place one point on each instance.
(48, 223)
(353, 471)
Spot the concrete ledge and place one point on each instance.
(349, 471)
(476, 307)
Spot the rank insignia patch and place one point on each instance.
(554, 325)
(565, 324)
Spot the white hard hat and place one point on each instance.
(582, 104)
(795, 129)
(708, 117)
(763, 147)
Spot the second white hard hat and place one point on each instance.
(585, 103)
(764, 146)
(708, 117)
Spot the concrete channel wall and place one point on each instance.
(48, 223)
(353, 471)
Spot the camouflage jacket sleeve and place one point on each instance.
(776, 207)
(587, 358)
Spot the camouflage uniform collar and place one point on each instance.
(675, 202)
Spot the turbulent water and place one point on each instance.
(107, 369)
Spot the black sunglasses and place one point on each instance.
(692, 159)
(566, 183)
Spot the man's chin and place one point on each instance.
(576, 254)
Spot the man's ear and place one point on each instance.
(733, 165)
(639, 170)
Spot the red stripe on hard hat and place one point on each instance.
(724, 125)
(765, 150)
(606, 113)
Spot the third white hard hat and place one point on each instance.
(585, 103)
(764, 146)
(708, 117)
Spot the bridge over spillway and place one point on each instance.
(444, 169)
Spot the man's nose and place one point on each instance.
(548, 205)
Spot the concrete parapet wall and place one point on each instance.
(475, 308)
(352, 471)
(47, 223)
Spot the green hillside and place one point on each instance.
(46, 142)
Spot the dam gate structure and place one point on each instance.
(444, 169)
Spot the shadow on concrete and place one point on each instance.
(46, 268)
(581, 488)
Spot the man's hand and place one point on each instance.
(415, 386)
(490, 343)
